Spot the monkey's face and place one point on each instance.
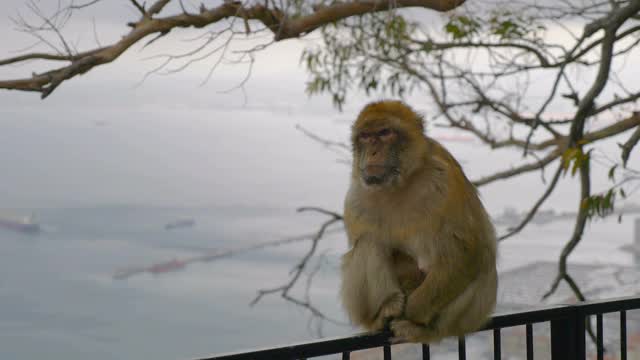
(388, 145)
(377, 154)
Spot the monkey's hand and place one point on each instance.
(392, 308)
(407, 331)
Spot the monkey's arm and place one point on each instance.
(370, 291)
(458, 263)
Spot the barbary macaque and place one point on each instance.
(422, 252)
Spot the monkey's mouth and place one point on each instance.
(374, 180)
(378, 174)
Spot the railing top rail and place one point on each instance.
(534, 315)
(554, 312)
(371, 340)
(311, 348)
(609, 305)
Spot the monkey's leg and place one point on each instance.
(370, 291)
(466, 313)
(471, 310)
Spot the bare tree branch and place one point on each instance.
(138, 6)
(38, 56)
(215, 255)
(604, 133)
(536, 206)
(502, 175)
(610, 24)
(616, 128)
(628, 146)
(156, 8)
(326, 142)
(81, 6)
(282, 26)
(298, 269)
(581, 221)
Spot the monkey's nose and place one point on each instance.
(375, 170)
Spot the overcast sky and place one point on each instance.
(102, 137)
(105, 138)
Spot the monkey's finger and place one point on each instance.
(397, 340)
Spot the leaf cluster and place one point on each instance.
(600, 205)
(354, 54)
(373, 52)
(575, 158)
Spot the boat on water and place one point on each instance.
(155, 269)
(168, 266)
(26, 225)
(180, 223)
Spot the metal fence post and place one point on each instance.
(568, 336)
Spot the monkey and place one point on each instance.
(422, 248)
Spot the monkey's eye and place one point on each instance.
(384, 132)
(364, 136)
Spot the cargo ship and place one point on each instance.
(25, 225)
(159, 268)
(180, 223)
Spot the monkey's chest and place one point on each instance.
(409, 231)
(398, 227)
(409, 235)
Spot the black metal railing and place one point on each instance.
(567, 335)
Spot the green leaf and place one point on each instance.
(454, 30)
(568, 156)
(461, 27)
(577, 162)
(612, 172)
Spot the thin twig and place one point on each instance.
(628, 146)
(300, 267)
(536, 206)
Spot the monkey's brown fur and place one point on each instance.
(423, 250)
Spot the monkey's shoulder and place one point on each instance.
(445, 172)
(440, 159)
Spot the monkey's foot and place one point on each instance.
(408, 331)
(392, 308)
